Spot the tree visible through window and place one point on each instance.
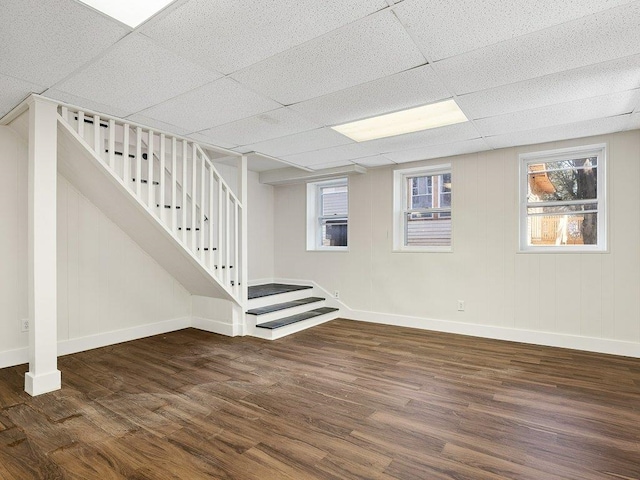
(564, 205)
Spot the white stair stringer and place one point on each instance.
(178, 251)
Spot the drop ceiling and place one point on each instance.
(272, 76)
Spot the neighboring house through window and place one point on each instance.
(327, 215)
(562, 200)
(422, 209)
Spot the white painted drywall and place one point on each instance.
(261, 229)
(585, 295)
(13, 240)
(106, 283)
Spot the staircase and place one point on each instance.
(165, 192)
(277, 310)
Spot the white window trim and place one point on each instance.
(314, 232)
(399, 196)
(599, 150)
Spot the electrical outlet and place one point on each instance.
(336, 294)
(461, 305)
(24, 325)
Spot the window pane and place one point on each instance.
(428, 229)
(335, 200)
(429, 191)
(571, 229)
(334, 232)
(566, 180)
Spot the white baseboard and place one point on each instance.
(549, 339)
(214, 326)
(67, 347)
(11, 358)
(20, 356)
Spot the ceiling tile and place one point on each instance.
(333, 154)
(84, 103)
(265, 126)
(588, 128)
(153, 123)
(444, 28)
(228, 35)
(410, 88)
(336, 164)
(438, 151)
(369, 49)
(634, 122)
(203, 138)
(614, 76)
(298, 143)
(563, 113)
(13, 91)
(214, 104)
(374, 161)
(43, 42)
(433, 136)
(598, 38)
(136, 74)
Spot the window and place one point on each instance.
(422, 209)
(562, 200)
(327, 215)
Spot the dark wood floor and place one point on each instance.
(342, 400)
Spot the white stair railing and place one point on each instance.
(174, 179)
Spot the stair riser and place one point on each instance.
(268, 317)
(294, 328)
(280, 298)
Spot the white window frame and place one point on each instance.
(314, 205)
(597, 150)
(400, 195)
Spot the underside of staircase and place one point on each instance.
(164, 192)
(277, 310)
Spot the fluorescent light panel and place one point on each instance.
(406, 121)
(129, 12)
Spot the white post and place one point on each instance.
(43, 375)
(243, 273)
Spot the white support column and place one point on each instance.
(243, 273)
(43, 375)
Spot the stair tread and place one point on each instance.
(268, 289)
(283, 322)
(283, 306)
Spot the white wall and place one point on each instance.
(13, 240)
(261, 229)
(108, 288)
(589, 301)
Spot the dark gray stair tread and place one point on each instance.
(283, 322)
(258, 291)
(283, 306)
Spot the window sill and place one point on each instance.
(562, 250)
(423, 250)
(328, 249)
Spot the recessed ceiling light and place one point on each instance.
(406, 121)
(129, 12)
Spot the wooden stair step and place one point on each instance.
(268, 289)
(283, 306)
(296, 318)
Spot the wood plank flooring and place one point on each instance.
(345, 400)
